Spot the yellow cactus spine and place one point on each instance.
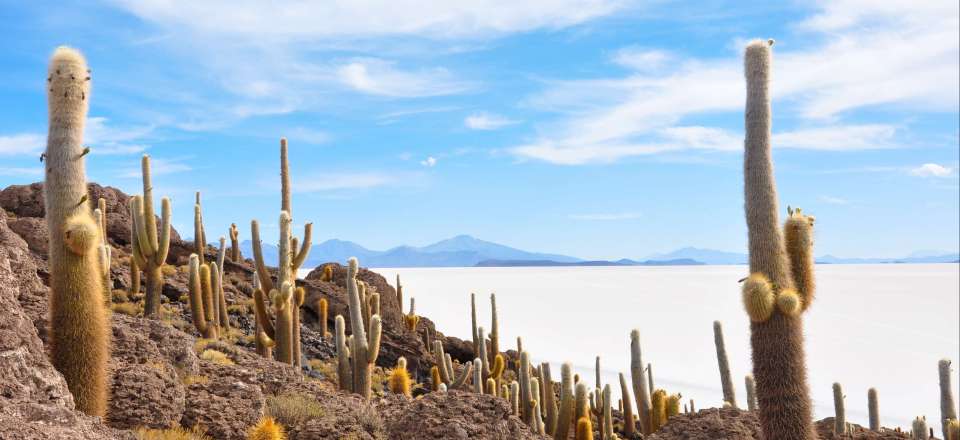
(399, 379)
(658, 410)
(411, 319)
(953, 430)
(776, 338)
(147, 248)
(584, 429)
(234, 243)
(565, 416)
(726, 381)
(267, 429)
(673, 405)
(322, 311)
(873, 407)
(640, 391)
(435, 380)
(79, 330)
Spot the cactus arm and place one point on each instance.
(199, 246)
(526, 393)
(261, 313)
(160, 256)
(376, 328)
(150, 222)
(473, 324)
(482, 355)
(285, 204)
(143, 237)
(266, 283)
(196, 295)
(947, 406)
(283, 248)
(136, 253)
(344, 376)
(304, 251)
(798, 235)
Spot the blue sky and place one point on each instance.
(599, 128)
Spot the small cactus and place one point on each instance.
(640, 391)
(267, 429)
(658, 410)
(920, 429)
(584, 429)
(366, 344)
(399, 379)
(729, 394)
(840, 417)
(322, 310)
(751, 393)
(234, 243)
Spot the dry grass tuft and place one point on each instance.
(293, 409)
(177, 433)
(127, 308)
(194, 378)
(217, 357)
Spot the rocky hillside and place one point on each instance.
(165, 376)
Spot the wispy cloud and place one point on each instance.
(487, 121)
(606, 216)
(831, 200)
(340, 181)
(380, 77)
(429, 162)
(931, 170)
(906, 58)
(21, 144)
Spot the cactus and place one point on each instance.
(478, 381)
(729, 394)
(365, 346)
(629, 426)
(673, 405)
(536, 421)
(953, 430)
(199, 235)
(399, 291)
(446, 369)
(607, 415)
(201, 297)
(234, 243)
(494, 328)
(873, 407)
(840, 417)
(491, 387)
(565, 415)
(221, 298)
(435, 380)
(523, 376)
(595, 405)
(104, 251)
(473, 324)
(658, 410)
(323, 308)
(515, 398)
(344, 372)
(640, 391)
(920, 429)
(584, 429)
(411, 319)
(582, 403)
(79, 328)
(776, 338)
(751, 393)
(399, 379)
(650, 376)
(948, 409)
(266, 429)
(549, 399)
(147, 249)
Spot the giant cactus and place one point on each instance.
(549, 401)
(640, 391)
(149, 250)
(770, 294)
(565, 415)
(79, 330)
(948, 409)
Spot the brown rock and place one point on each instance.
(225, 408)
(148, 395)
(457, 415)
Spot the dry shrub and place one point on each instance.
(177, 433)
(217, 357)
(293, 409)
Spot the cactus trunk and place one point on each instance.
(640, 391)
(874, 408)
(726, 381)
(948, 409)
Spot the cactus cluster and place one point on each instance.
(357, 353)
(285, 298)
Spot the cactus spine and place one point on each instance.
(751, 393)
(147, 249)
(840, 417)
(267, 429)
(584, 429)
(629, 426)
(729, 393)
(658, 410)
(365, 346)
(640, 392)
(948, 409)
(234, 243)
(873, 407)
(399, 380)
(776, 338)
(565, 416)
(79, 329)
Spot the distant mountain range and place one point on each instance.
(466, 251)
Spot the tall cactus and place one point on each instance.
(629, 425)
(201, 297)
(79, 329)
(199, 235)
(776, 335)
(607, 414)
(840, 412)
(148, 250)
(549, 401)
(873, 406)
(751, 393)
(234, 243)
(640, 391)
(365, 347)
(223, 316)
(920, 429)
(948, 409)
(494, 328)
(565, 416)
(445, 367)
(726, 381)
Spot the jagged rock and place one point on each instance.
(148, 394)
(34, 400)
(457, 415)
(224, 407)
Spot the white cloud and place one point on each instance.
(292, 19)
(380, 77)
(308, 135)
(838, 138)
(487, 121)
(830, 200)
(905, 58)
(340, 181)
(607, 216)
(429, 162)
(931, 170)
(23, 143)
